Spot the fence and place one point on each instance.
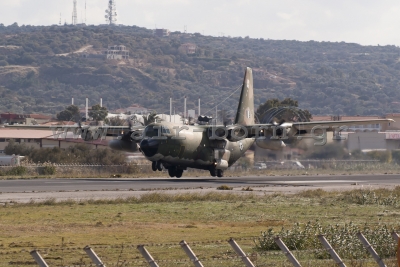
(244, 258)
(76, 170)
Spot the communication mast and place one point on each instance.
(111, 13)
(74, 14)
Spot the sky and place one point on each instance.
(366, 22)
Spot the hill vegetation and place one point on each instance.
(39, 71)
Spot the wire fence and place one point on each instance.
(211, 253)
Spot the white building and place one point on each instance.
(117, 52)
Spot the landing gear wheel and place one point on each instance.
(213, 172)
(154, 166)
(172, 171)
(178, 173)
(159, 166)
(220, 173)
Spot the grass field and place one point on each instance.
(113, 228)
(144, 171)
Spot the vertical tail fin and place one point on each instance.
(245, 111)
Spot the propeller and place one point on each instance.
(132, 121)
(277, 122)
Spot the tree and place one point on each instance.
(98, 113)
(152, 117)
(286, 109)
(71, 113)
(115, 121)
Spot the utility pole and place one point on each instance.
(184, 109)
(199, 107)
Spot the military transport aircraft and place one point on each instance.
(211, 147)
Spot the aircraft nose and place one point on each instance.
(149, 146)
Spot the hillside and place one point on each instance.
(325, 77)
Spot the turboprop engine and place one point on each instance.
(123, 145)
(272, 139)
(125, 142)
(268, 143)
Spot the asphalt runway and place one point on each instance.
(135, 184)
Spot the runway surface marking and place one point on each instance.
(319, 181)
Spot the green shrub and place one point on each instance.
(342, 237)
(48, 170)
(19, 170)
(383, 156)
(224, 187)
(132, 168)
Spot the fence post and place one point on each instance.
(190, 253)
(370, 249)
(93, 256)
(287, 252)
(395, 237)
(39, 260)
(147, 256)
(331, 251)
(241, 253)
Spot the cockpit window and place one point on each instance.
(152, 131)
(165, 130)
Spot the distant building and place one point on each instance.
(13, 118)
(353, 128)
(161, 32)
(170, 118)
(44, 138)
(134, 109)
(188, 48)
(191, 113)
(392, 125)
(117, 52)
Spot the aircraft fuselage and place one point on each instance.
(192, 147)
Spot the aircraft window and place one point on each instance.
(165, 130)
(151, 131)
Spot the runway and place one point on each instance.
(39, 189)
(93, 184)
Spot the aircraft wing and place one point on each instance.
(335, 125)
(104, 130)
(307, 127)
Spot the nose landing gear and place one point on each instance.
(156, 165)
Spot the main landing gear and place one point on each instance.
(156, 165)
(216, 172)
(175, 172)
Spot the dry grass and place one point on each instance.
(144, 171)
(114, 227)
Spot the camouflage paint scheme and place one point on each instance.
(196, 147)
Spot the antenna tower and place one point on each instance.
(111, 13)
(74, 14)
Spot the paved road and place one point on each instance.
(59, 185)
